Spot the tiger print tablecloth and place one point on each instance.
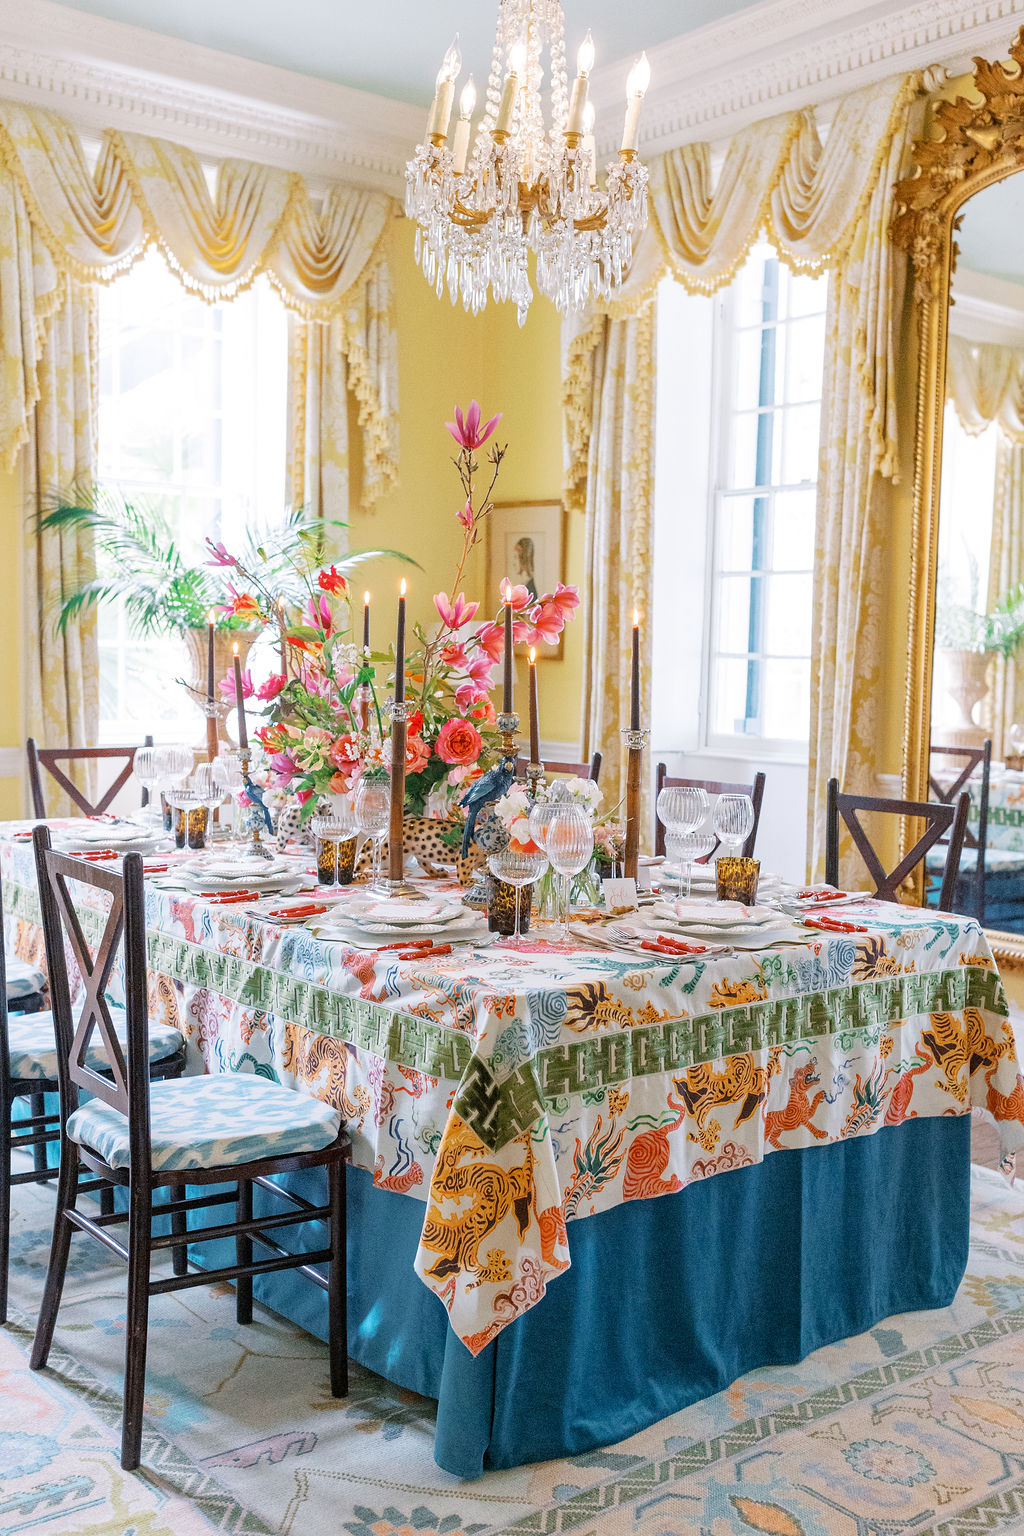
(512, 1093)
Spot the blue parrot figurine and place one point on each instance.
(256, 797)
(497, 781)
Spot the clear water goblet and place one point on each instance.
(569, 845)
(685, 848)
(733, 820)
(146, 769)
(517, 865)
(372, 809)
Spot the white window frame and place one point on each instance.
(733, 744)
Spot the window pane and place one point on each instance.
(800, 439)
(738, 613)
(734, 689)
(793, 530)
(787, 603)
(787, 699)
(736, 534)
(804, 359)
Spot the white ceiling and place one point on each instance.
(394, 49)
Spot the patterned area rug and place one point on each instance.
(917, 1426)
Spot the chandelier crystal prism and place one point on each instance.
(481, 206)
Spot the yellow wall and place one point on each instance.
(447, 357)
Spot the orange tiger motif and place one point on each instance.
(702, 1089)
(800, 1110)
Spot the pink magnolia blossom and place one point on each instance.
(465, 517)
(518, 597)
(468, 694)
(467, 431)
(454, 657)
(567, 599)
(282, 769)
(548, 623)
(491, 640)
(481, 670)
(220, 554)
(520, 630)
(454, 615)
(227, 686)
(272, 687)
(319, 613)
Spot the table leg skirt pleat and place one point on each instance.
(667, 1300)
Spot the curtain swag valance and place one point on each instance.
(985, 382)
(62, 223)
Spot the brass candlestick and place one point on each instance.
(636, 740)
(508, 725)
(534, 778)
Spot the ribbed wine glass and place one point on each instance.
(373, 815)
(684, 848)
(733, 820)
(146, 769)
(569, 845)
(517, 865)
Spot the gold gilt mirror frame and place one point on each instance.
(967, 146)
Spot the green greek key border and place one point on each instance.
(498, 1110)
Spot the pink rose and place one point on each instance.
(459, 741)
(271, 688)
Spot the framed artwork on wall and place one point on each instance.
(526, 543)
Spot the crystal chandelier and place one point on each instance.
(521, 188)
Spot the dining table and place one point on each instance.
(590, 1186)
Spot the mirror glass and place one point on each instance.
(978, 680)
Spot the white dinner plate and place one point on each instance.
(714, 914)
(473, 931)
(400, 913)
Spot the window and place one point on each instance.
(769, 345)
(192, 422)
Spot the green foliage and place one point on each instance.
(137, 562)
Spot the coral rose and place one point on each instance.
(459, 741)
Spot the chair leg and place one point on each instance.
(243, 1253)
(37, 1101)
(140, 1216)
(337, 1288)
(5, 1201)
(179, 1224)
(60, 1243)
(107, 1200)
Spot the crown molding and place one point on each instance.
(105, 74)
(775, 56)
(782, 55)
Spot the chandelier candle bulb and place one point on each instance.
(444, 91)
(634, 677)
(400, 648)
(506, 693)
(636, 89)
(534, 711)
(578, 100)
(463, 128)
(589, 141)
(516, 65)
(243, 734)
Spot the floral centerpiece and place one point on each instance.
(324, 721)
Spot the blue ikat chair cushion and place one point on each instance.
(998, 861)
(34, 1050)
(23, 979)
(212, 1122)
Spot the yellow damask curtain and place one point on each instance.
(1005, 702)
(823, 200)
(985, 382)
(66, 224)
(61, 695)
(326, 258)
(616, 491)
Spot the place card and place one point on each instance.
(620, 895)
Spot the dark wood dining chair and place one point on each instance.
(51, 758)
(662, 780)
(972, 759)
(227, 1128)
(591, 770)
(940, 820)
(28, 1070)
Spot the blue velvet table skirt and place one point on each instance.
(667, 1300)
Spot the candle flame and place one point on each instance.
(506, 589)
(234, 647)
(401, 589)
(533, 657)
(636, 619)
(210, 618)
(366, 599)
